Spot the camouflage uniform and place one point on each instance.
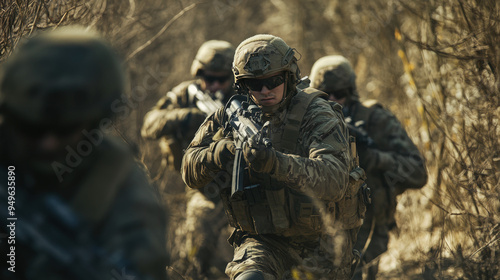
(174, 121)
(85, 209)
(389, 157)
(175, 117)
(316, 172)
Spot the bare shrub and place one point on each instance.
(452, 57)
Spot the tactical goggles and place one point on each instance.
(270, 83)
(213, 79)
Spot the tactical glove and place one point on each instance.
(260, 158)
(373, 159)
(221, 153)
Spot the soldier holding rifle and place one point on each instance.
(174, 121)
(281, 158)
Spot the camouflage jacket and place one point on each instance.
(174, 119)
(120, 213)
(319, 168)
(393, 163)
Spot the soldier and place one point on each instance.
(176, 117)
(389, 157)
(174, 120)
(76, 203)
(291, 187)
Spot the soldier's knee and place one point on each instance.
(250, 275)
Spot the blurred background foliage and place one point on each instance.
(435, 64)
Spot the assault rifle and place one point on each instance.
(245, 121)
(58, 239)
(203, 101)
(357, 130)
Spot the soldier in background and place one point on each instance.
(176, 116)
(291, 188)
(83, 207)
(389, 157)
(174, 121)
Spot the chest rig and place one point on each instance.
(270, 207)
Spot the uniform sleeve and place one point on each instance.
(136, 227)
(323, 170)
(197, 169)
(170, 116)
(394, 153)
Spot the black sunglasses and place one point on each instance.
(213, 79)
(270, 83)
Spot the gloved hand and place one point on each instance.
(221, 153)
(373, 159)
(260, 158)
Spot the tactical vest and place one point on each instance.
(266, 209)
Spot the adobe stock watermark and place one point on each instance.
(122, 108)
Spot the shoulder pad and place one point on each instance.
(313, 91)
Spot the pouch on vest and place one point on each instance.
(261, 211)
(352, 208)
(306, 214)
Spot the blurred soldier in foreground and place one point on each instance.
(73, 202)
(389, 157)
(291, 159)
(174, 120)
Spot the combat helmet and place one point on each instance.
(63, 77)
(334, 75)
(264, 55)
(213, 55)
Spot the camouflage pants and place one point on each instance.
(206, 224)
(279, 258)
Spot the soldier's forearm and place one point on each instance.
(373, 159)
(158, 123)
(411, 171)
(196, 167)
(407, 171)
(316, 177)
(154, 122)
